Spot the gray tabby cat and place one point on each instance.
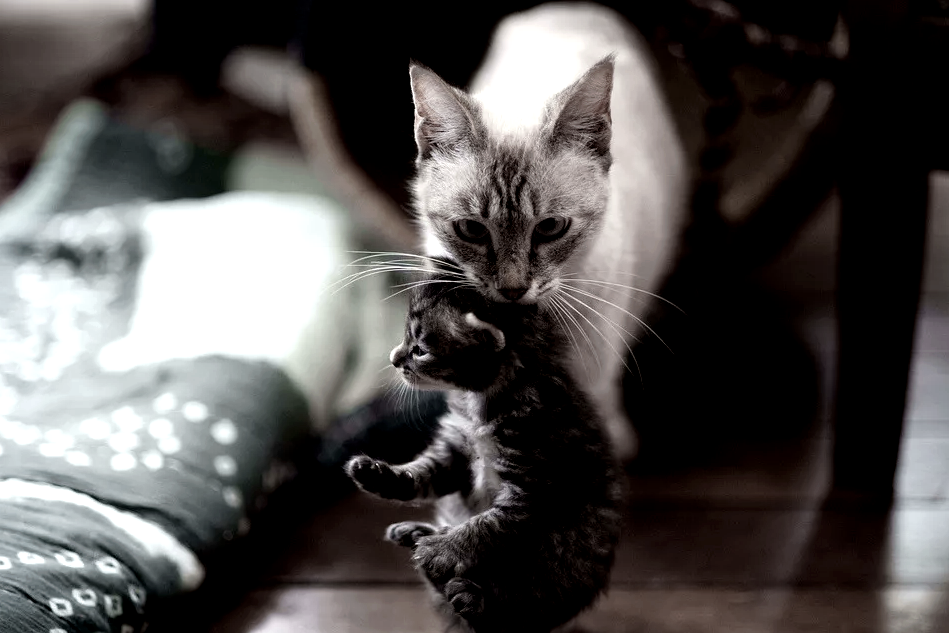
(559, 179)
(527, 491)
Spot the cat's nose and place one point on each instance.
(512, 294)
(395, 357)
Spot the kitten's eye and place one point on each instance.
(472, 231)
(551, 228)
(418, 352)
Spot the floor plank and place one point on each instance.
(771, 611)
(406, 610)
(734, 542)
(671, 547)
(332, 610)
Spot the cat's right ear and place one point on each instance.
(582, 111)
(444, 117)
(498, 336)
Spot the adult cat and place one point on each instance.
(559, 179)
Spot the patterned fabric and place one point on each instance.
(113, 487)
(118, 488)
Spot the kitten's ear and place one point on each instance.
(583, 112)
(472, 320)
(444, 116)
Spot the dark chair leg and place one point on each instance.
(884, 194)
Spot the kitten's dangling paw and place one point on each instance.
(377, 477)
(465, 597)
(440, 558)
(407, 533)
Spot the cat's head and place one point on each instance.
(450, 341)
(515, 212)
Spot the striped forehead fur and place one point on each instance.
(510, 180)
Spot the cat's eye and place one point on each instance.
(472, 231)
(551, 228)
(418, 352)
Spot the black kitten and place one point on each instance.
(528, 495)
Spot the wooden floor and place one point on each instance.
(734, 543)
(730, 542)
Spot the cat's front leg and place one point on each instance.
(408, 533)
(379, 478)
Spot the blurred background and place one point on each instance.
(182, 187)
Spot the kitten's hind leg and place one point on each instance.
(465, 597)
(407, 533)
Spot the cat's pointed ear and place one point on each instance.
(444, 117)
(580, 114)
(472, 320)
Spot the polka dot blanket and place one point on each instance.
(116, 486)
(171, 355)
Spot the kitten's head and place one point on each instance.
(450, 341)
(514, 212)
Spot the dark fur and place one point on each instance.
(530, 548)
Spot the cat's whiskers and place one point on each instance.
(567, 298)
(425, 282)
(392, 392)
(417, 398)
(405, 267)
(371, 264)
(404, 392)
(364, 274)
(557, 311)
(617, 328)
(586, 337)
(613, 284)
(374, 254)
(569, 288)
(422, 282)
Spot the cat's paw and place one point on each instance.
(407, 533)
(465, 597)
(440, 557)
(377, 477)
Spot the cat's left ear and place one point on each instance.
(582, 112)
(445, 119)
(472, 320)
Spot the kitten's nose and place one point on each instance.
(395, 356)
(512, 294)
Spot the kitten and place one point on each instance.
(558, 179)
(528, 493)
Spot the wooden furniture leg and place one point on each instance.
(883, 189)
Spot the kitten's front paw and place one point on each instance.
(377, 477)
(440, 557)
(465, 597)
(407, 533)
